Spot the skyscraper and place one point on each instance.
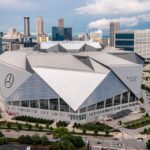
(26, 26)
(114, 27)
(61, 22)
(1, 45)
(39, 25)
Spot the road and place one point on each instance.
(127, 144)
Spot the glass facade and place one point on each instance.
(34, 104)
(53, 104)
(109, 102)
(117, 100)
(25, 103)
(1, 45)
(124, 36)
(125, 98)
(61, 34)
(44, 104)
(125, 41)
(63, 106)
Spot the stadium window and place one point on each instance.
(16, 103)
(117, 100)
(132, 97)
(109, 102)
(44, 104)
(34, 104)
(125, 98)
(63, 106)
(100, 105)
(53, 104)
(25, 103)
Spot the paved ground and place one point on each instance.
(128, 144)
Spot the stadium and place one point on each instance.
(70, 81)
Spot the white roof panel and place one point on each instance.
(72, 86)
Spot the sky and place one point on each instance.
(81, 15)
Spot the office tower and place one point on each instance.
(68, 34)
(114, 27)
(1, 34)
(12, 31)
(1, 45)
(57, 34)
(137, 41)
(61, 22)
(61, 34)
(26, 26)
(39, 25)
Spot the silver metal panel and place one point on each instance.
(109, 87)
(33, 89)
(131, 76)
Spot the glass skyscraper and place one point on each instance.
(61, 34)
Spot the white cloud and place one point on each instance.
(104, 23)
(19, 4)
(115, 7)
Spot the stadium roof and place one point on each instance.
(73, 76)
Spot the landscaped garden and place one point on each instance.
(145, 120)
(66, 141)
(27, 126)
(33, 120)
(96, 127)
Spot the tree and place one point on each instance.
(19, 127)
(8, 125)
(47, 125)
(107, 132)
(145, 130)
(40, 128)
(60, 132)
(36, 139)
(96, 131)
(84, 131)
(44, 140)
(148, 145)
(29, 126)
(37, 125)
(63, 145)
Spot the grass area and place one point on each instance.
(145, 120)
(99, 127)
(27, 126)
(146, 131)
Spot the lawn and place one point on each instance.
(137, 123)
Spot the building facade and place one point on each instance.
(137, 41)
(114, 27)
(1, 47)
(61, 22)
(61, 34)
(74, 87)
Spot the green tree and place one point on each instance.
(107, 132)
(36, 139)
(8, 125)
(44, 140)
(145, 130)
(60, 132)
(29, 126)
(37, 125)
(40, 128)
(148, 145)
(84, 131)
(19, 127)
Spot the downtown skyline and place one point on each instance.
(82, 16)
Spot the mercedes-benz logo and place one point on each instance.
(9, 80)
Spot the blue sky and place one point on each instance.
(79, 14)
